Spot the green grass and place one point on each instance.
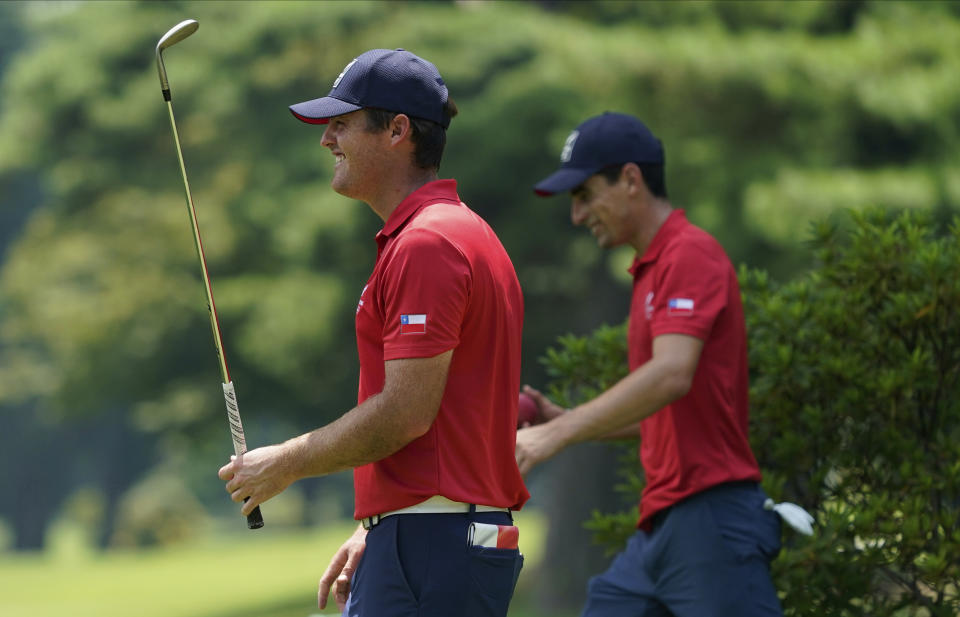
(268, 573)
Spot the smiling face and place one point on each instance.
(359, 155)
(604, 209)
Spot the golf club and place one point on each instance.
(172, 37)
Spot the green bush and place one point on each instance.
(855, 368)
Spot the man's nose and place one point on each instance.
(326, 140)
(578, 211)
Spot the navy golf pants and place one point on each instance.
(419, 565)
(707, 556)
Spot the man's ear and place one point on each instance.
(631, 174)
(400, 128)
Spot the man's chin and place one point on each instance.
(604, 242)
(341, 188)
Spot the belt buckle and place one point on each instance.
(370, 522)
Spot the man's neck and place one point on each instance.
(656, 214)
(387, 200)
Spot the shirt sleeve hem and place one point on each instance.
(414, 351)
(689, 330)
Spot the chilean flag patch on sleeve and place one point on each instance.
(680, 306)
(413, 324)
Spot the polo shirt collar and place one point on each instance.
(431, 192)
(674, 223)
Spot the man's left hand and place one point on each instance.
(536, 444)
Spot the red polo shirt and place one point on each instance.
(685, 284)
(443, 281)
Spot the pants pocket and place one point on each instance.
(380, 585)
(769, 535)
(749, 531)
(493, 577)
(402, 580)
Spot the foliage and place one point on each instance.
(581, 367)
(855, 376)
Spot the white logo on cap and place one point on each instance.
(567, 151)
(344, 72)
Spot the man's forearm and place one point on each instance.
(618, 409)
(363, 435)
(379, 426)
(631, 431)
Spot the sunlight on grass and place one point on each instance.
(217, 576)
(265, 573)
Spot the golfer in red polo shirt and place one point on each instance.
(438, 324)
(706, 536)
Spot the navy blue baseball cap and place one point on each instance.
(602, 141)
(391, 79)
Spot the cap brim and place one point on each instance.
(319, 111)
(561, 181)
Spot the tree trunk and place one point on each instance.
(574, 484)
(35, 485)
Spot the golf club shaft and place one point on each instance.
(254, 519)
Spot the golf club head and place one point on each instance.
(173, 36)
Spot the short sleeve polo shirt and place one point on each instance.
(443, 281)
(684, 283)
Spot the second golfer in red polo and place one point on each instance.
(438, 325)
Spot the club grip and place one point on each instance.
(254, 519)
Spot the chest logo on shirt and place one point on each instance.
(413, 324)
(680, 306)
(648, 306)
(360, 302)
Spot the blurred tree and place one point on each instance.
(855, 373)
(19, 190)
(24, 440)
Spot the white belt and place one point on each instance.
(435, 505)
